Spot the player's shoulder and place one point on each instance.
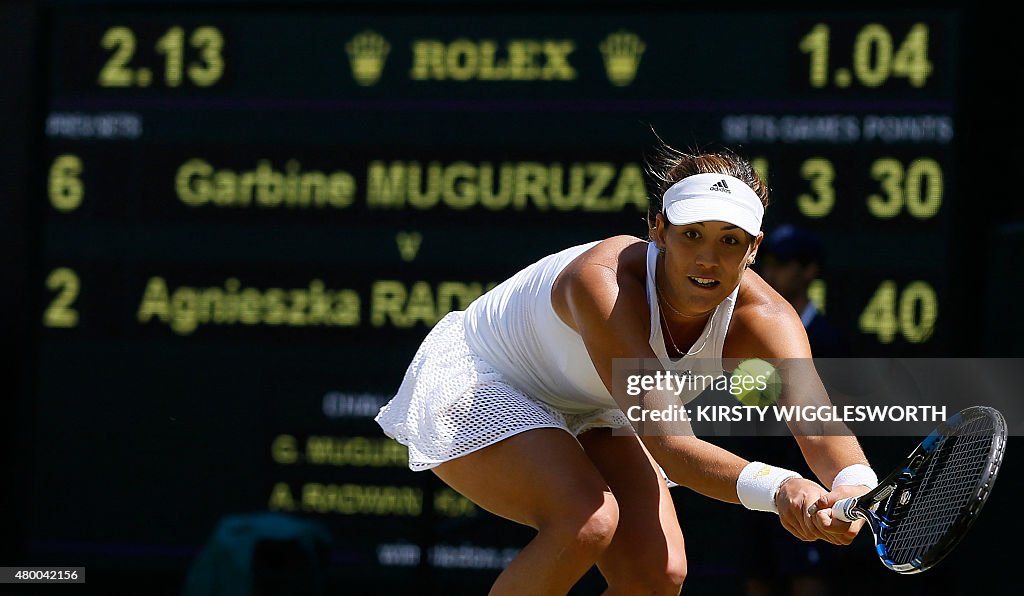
(758, 300)
(612, 270)
(764, 324)
(615, 248)
(617, 256)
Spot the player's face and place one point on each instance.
(704, 262)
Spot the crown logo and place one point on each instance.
(366, 55)
(622, 51)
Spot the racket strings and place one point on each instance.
(922, 511)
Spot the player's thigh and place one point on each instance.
(648, 537)
(533, 478)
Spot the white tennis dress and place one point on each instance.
(508, 364)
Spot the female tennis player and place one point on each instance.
(510, 402)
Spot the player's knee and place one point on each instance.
(641, 577)
(597, 526)
(669, 583)
(675, 574)
(588, 528)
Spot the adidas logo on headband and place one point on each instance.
(713, 197)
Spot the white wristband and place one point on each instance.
(759, 483)
(856, 475)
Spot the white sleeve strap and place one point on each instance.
(856, 475)
(758, 485)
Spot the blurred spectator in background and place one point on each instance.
(791, 258)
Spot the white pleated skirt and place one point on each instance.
(452, 402)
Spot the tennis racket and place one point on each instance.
(920, 511)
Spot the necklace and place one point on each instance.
(704, 342)
(670, 338)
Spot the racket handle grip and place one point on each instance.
(843, 509)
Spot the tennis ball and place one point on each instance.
(755, 382)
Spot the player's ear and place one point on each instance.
(757, 241)
(753, 249)
(811, 271)
(658, 231)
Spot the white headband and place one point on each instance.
(714, 197)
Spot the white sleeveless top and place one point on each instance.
(514, 327)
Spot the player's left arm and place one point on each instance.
(767, 327)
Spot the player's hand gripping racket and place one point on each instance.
(920, 511)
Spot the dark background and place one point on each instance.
(125, 442)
